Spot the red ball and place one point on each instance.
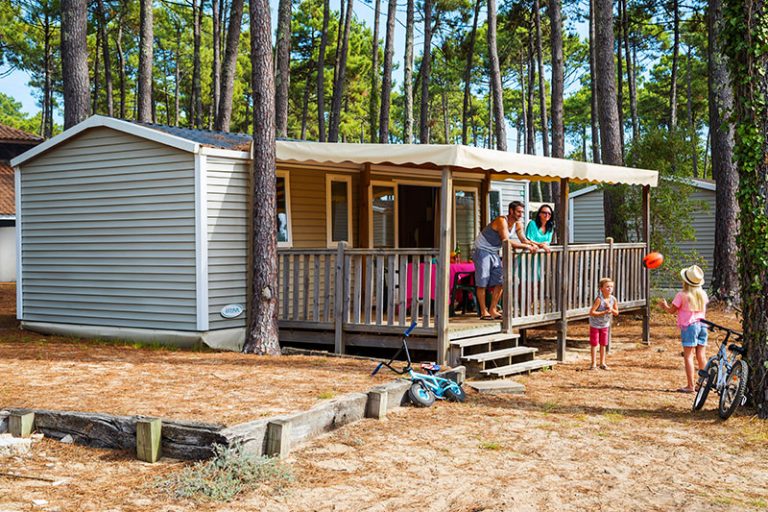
(653, 260)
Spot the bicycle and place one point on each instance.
(726, 374)
(425, 387)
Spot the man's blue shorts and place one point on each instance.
(488, 269)
(694, 335)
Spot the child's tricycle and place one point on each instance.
(425, 387)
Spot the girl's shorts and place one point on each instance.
(695, 335)
(598, 336)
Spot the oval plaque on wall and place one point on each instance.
(232, 310)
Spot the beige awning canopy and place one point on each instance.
(462, 158)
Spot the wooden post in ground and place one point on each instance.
(377, 405)
(646, 274)
(609, 273)
(565, 278)
(148, 439)
(278, 438)
(339, 300)
(443, 286)
(21, 424)
(507, 260)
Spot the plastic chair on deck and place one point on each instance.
(462, 289)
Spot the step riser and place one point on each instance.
(489, 347)
(475, 368)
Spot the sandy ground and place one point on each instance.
(227, 388)
(578, 440)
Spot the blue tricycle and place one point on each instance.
(425, 387)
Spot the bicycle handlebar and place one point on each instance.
(712, 326)
(410, 330)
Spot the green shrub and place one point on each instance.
(230, 472)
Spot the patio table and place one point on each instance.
(454, 268)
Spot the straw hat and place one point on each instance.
(692, 275)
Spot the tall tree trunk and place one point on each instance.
(468, 74)
(74, 61)
(745, 25)
(216, 71)
(558, 81)
(373, 98)
(498, 99)
(631, 82)
(224, 113)
(615, 225)
(386, 83)
(725, 283)
(523, 108)
(283, 66)
(691, 121)
(426, 72)
(121, 57)
(96, 91)
(261, 336)
(338, 85)
(305, 100)
(558, 72)
(197, 95)
(542, 91)
(321, 71)
(177, 78)
(620, 80)
(107, 59)
(146, 44)
(446, 122)
(531, 121)
(593, 86)
(675, 64)
(48, 87)
(408, 73)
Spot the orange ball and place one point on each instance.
(653, 260)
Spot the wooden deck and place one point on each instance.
(368, 297)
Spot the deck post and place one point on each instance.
(609, 273)
(339, 300)
(565, 278)
(646, 274)
(364, 236)
(442, 289)
(485, 188)
(507, 255)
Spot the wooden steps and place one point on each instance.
(493, 354)
(524, 367)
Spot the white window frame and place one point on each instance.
(393, 186)
(329, 179)
(477, 209)
(286, 175)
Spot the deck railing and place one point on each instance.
(382, 290)
(532, 282)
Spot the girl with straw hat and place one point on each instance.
(690, 305)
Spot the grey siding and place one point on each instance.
(703, 220)
(108, 230)
(227, 196)
(588, 220)
(511, 190)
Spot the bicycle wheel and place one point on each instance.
(705, 384)
(734, 390)
(455, 393)
(420, 395)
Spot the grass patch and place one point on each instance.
(325, 395)
(230, 472)
(550, 406)
(613, 417)
(490, 445)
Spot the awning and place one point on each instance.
(463, 158)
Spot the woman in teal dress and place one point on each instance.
(539, 232)
(541, 229)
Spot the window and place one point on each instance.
(283, 209)
(384, 215)
(465, 219)
(338, 209)
(494, 204)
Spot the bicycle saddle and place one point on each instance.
(739, 350)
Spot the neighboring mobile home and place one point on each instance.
(141, 231)
(13, 142)
(587, 222)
